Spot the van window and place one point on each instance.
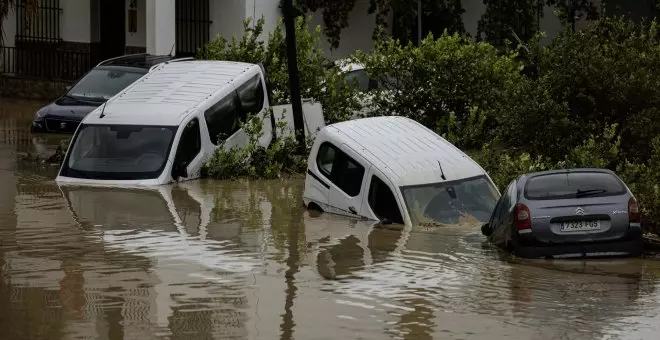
(382, 201)
(222, 119)
(190, 144)
(119, 152)
(326, 157)
(340, 169)
(251, 96)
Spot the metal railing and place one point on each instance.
(45, 63)
(192, 26)
(40, 24)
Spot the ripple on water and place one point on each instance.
(445, 272)
(170, 246)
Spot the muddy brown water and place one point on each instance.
(244, 260)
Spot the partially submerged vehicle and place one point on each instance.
(93, 89)
(168, 124)
(567, 213)
(395, 170)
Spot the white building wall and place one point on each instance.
(227, 18)
(358, 34)
(75, 25)
(9, 26)
(474, 9)
(139, 38)
(268, 9)
(550, 24)
(160, 31)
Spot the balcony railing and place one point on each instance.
(45, 63)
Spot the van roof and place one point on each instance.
(405, 150)
(167, 94)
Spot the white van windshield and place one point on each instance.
(119, 152)
(469, 201)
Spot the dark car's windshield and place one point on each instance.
(468, 201)
(573, 185)
(102, 84)
(119, 152)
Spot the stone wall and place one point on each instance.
(30, 88)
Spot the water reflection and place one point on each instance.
(194, 283)
(442, 279)
(244, 260)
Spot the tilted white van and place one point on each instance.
(167, 125)
(395, 170)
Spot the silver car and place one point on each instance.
(567, 213)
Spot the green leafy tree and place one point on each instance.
(450, 84)
(437, 16)
(504, 20)
(319, 78)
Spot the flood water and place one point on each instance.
(244, 260)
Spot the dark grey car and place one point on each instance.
(93, 89)
(567, 213)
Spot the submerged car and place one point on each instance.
(394, 170)
(97, 86)
(567, 213)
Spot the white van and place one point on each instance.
(167, 125)
(395, 170)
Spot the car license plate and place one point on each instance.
(580, 226)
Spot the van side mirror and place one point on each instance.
(485, 229)
(180, 170)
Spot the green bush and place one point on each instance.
(451, 84)
(255, 161)
(644, 181)
(319, 78)
(606, 74)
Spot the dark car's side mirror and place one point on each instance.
(485, 229)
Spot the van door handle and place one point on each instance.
(351, 209)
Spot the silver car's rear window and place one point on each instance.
(573, 185)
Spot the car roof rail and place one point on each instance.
(171, 61)
(118, 57)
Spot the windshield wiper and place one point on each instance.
(68, 96)
(583, 193)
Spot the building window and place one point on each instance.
(382, 201)
(223, 119)
(132, 16)
(343, 171)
